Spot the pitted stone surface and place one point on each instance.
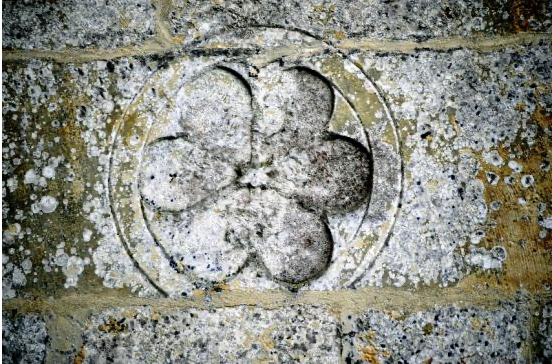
(76, 24)
(297, 333)
(439, 335)
(307, 181)
(230, 335)
(380, 19)
(431, 214)
(544, 334)
(24, 339)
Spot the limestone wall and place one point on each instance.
(276, 181)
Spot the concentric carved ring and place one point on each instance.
(264, 170)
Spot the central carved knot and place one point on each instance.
(248, 178)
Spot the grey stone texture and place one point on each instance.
(276, 181)
(230, 335)
(296, 333)
(435, 221)
(24, 339)
(383, 20)
(439, 335)
(34, 24)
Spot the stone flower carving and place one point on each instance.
(250, 176)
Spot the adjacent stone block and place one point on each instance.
(40, 25)
(296, 334)
(24, 339)
(543, 334)
(383, 20)
(438, 335)
(229, 335)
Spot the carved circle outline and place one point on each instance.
(362, 267)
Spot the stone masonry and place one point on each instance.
(319, 181)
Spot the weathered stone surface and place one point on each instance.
(382, 20)
(439, 335)
(59, 130)
(543, 340)
(297, 333)
(281, 181)
(275, 181)
(24, 339)
(230, 335)
(76, 24)
(457, 132)
(467, 117)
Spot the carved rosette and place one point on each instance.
(259, 171)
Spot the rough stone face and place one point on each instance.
(544, 334)
(24, 339)
(76, 24)
(440, 335)
(418, 20)
(465, 120)
(303, 333)
(276, 181)
(230, 335)
(450, 236)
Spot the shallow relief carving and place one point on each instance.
(256, 171)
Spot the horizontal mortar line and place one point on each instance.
(360, 300)
(162, 45)
(475, 43)
(86, 55)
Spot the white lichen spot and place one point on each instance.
(49, 172)
(18, 277)
(86, 235)
(492, 157)
(27, 266)
(72, 269)
(485, 259)
(48, 204)
(515, 166)
(31, 177)
(527, 181)
(546, 222)
(11, 183)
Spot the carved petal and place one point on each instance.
(293, 244)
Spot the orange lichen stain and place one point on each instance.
(543, 119)
(265, 339)
(528, 263)
(113, 326)
(451, 113)
(124, 22)
(339, 35)
(522, 11)
(370, 353)
(80, 356)
(130, 313)
(427, 329)
(199, 293)
(178, 38)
